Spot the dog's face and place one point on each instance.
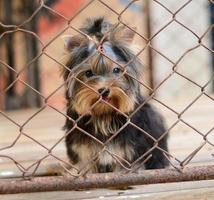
(97, 82)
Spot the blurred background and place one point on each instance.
(31, 50)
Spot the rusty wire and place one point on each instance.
(129, 167)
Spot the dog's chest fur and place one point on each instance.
(87, 150)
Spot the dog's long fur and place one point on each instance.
(103, 117)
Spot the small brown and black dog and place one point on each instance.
(104, 101)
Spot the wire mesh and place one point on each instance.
(48, 151)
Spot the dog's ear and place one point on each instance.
(123, 34)
(71, 42)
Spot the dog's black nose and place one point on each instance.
(104, 92)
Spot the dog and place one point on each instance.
(109, 125)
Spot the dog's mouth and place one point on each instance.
(110, 100)
(116, 101)
(106, 105)
(107, 99)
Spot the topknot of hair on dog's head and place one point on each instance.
(96, 27)
(99, 28)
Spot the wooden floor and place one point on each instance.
(46, 128)
(199, 190)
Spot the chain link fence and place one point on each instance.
(33, 80)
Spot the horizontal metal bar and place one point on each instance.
(60, 183)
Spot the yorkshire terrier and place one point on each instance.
(104, 101)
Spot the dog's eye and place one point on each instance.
(89, 73)
(116, 70)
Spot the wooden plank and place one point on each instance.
(198, 190)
